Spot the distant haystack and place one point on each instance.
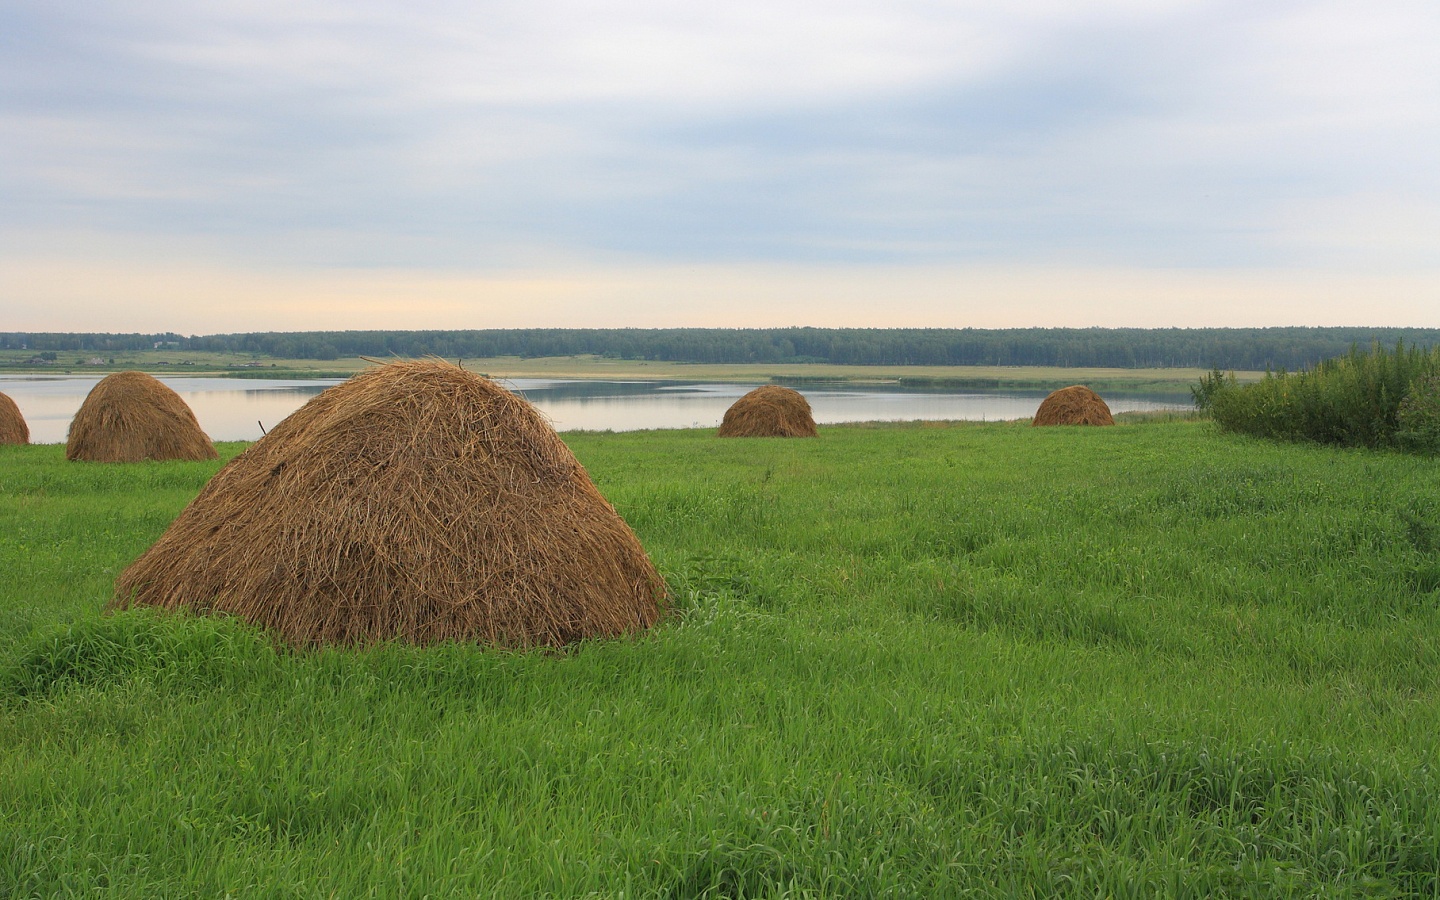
(415, 502)
(130, 417)
(769, 411)
(1074, 405)
(13, 429)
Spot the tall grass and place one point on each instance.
(930, 661)
(1353, 400)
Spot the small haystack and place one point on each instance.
(769, 411)
(1074, 405)
(417, 502)
(13, 429)
(130, 417)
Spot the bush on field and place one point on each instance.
(1419, 417)
(1374, 398)
(1211, 384)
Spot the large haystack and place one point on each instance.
(769, 411)
(1074, 405)
(13, 429)
(416, 502)
(130, 417)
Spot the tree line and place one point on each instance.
(1287, 348)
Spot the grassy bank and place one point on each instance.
(905, 661)
(1015, 377)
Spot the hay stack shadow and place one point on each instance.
(13, 429)
(769, 411)
(131, 417)
(416, 502)
(1073, 405)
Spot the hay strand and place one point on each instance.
(130, 417)
(416, 502)
(1073, 405)
(769, 411)
(13, 429)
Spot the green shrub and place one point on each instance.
(1353, 400)
(1419, 417)
(1211, 384)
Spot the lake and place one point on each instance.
(234, 409)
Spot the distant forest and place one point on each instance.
(1227, 348)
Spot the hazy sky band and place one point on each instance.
(1053, 155)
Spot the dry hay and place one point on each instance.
(13, 429)
(1074, 405)
(769, 411)
(130, 417)
(417, 502)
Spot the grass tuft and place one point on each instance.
(168, 651)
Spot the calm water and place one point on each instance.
(232, 409)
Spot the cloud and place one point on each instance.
(450, 137)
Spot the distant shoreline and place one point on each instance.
(1177, 380)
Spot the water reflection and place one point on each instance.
(232, 409)
(228, 409)
(598, 407)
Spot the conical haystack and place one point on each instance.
(1074, 405)
(769, 411)
(13, 429)
(417, 502)
(129, 417)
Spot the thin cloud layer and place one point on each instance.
(465, 141)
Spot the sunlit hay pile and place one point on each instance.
(769, 411)
(416, 502)
(13, 429)
(129, 417)
(1074, 405)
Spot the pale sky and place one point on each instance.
(203, 166)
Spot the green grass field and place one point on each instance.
(920, 660)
